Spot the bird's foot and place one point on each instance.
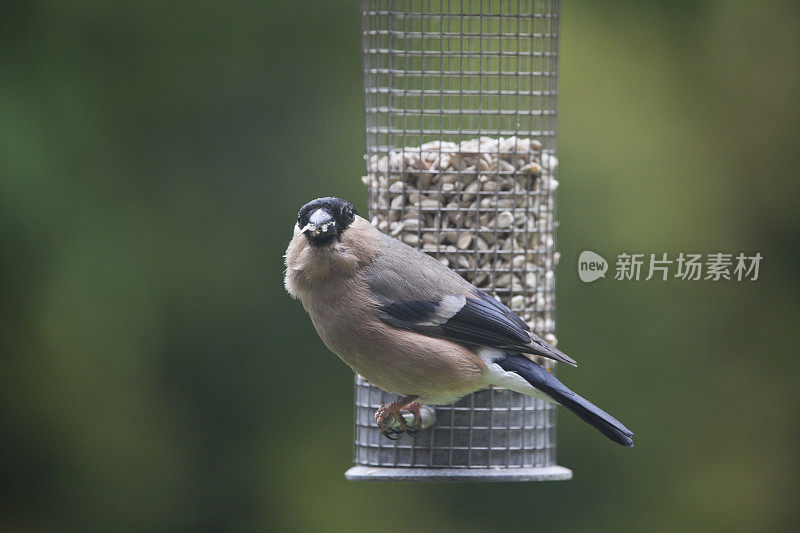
(391, 421)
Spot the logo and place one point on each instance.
(591, 266)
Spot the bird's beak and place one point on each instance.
(320, 224)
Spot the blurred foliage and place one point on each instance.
(155, 375)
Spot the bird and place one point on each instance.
(411, 326)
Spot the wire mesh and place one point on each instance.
(460, 121)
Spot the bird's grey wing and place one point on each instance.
(415, 292)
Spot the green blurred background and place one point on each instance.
(156, 376)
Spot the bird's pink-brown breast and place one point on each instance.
(393, 359)
(331, 283)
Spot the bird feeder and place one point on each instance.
(460, 108)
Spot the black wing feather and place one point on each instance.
(482, 320)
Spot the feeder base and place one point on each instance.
(463, 475)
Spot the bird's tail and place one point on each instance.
(547, 383)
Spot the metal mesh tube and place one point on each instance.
(460, 121)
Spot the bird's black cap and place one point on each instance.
(323, 220)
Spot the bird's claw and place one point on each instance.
(392, 433)
(391, 422)
(414, 430)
